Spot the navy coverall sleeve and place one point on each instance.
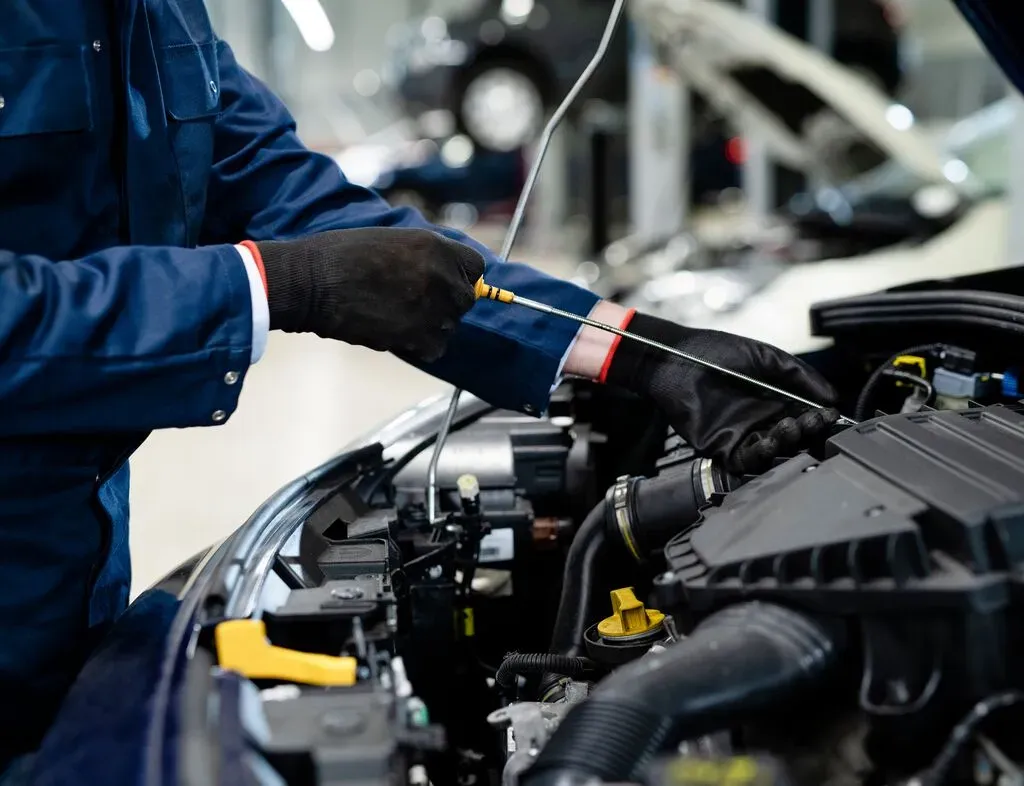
(266, 184)
(129, 339)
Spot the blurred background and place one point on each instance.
(721, 143)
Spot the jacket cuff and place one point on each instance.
(258, 295)
(602, 375)
(216, 383)
(509, 355)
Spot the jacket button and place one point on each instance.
(3, 102)
(529, 409)
(231, 378)
(97, 46)
(219, 416)
(213, 87)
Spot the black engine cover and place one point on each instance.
(912, 528)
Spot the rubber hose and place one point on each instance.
(949, 296)
(745, 659)
(657, 509)
(860, 412)
(579, 579)
(945, 322)
(518, 663)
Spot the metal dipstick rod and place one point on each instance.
(514, 225)
(486, 291)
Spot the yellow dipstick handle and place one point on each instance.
(242, 647)
(485, 291)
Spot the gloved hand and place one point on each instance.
(391, 289)
(724, 418)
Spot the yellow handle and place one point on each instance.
(487, 292)
(242, 647)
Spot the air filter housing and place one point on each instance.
(912, 529)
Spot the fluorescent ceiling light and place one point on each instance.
(314, 26)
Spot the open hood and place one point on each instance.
(773, 86)
(1000, 26)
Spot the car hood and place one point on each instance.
(711, 42)
(1000, 26)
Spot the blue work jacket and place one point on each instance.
(134, 152)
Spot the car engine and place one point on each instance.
(598, 604)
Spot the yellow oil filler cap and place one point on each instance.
(629, 616)
(242, 647)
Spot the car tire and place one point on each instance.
(521, 104)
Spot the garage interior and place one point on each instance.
(734, 493)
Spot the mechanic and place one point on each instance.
(159, 216)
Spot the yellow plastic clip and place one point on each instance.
(912, 364)
(629, 616)
(485, 291)
(242, 646)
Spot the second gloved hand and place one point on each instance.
(735, 422)
(390, 289)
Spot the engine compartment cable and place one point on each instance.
(939, 771)
(860, 411)
(912, 379)
(579, 583)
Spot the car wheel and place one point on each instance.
(501, 106)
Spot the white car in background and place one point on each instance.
(893, 202)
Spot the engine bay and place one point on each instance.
(599, 604)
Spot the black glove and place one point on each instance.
(390, 289)
(725, 418)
